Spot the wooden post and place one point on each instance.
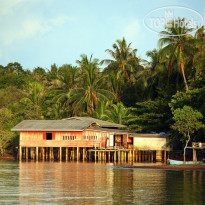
(118, 155)
(43, 153)
(90, 155)
(83, 153)
(51, 153)
(36, 153)
(146, 157)
(152, 156)
(108, 156)
(46, 153)
(194, 156)
(136, 156)
(114, 156)
(140, 157)
(60, 153)
(125, 156)
(165, 155)
(26, 153)
(133, 155)
(95, 155)
(20, 153)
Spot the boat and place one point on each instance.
(177, 162)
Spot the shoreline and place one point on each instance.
(171, 167)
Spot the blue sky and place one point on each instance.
(42, 32)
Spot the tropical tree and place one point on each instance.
(187, 121)
(176, 44)
(124, 59)
(117, 113)
(86, 98)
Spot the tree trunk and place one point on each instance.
(185, 81)
(187, 141)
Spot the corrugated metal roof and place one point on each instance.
(69, 124)
(51, 125)
(101, 123)
(150, 135)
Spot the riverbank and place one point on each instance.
(171, 167)
(7, 157)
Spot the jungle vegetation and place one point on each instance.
(142, 94)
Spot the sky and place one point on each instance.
(43, 32)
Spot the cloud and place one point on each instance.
(132, 31)
(31, 27)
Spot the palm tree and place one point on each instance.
(66, 79)
(176, 44)
(117, 113)
(124, 58)
(86, 98)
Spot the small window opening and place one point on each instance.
(48, 136)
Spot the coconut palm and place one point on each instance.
(117, 113)
(124, 58)
(177, 44)
(86, 98)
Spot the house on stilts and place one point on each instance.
(86, 138)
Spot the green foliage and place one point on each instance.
(150, 116)
(187, 120)
(128, 90)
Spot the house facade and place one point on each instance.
(81, 138)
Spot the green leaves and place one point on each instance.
(187, 120)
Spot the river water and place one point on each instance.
(97, 183)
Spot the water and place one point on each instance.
(96, 183)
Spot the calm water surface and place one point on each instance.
(96, 183)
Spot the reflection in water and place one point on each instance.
(97, 183)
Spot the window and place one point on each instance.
(48, 136)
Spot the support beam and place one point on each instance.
(20, 153)
(43, 153)
(77, 153)
(66, 154)
(194, 156)
(36, 153)
(26, 153)
(60, 153)
(165, 155)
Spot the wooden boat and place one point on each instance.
(177, 162)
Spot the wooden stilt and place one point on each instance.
(46, 153)
(26, 153)
(84, 153)
(194, 156)
(140, 156)
(118, 155)
(20, 153)
(60, 150)
(66, 154)
(108, 156)
(165, 155)
(136, 156)
(36, 153)
(51, 149)
(152, 156)
(43, 153)
(115, 157)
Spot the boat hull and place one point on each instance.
(177, 162)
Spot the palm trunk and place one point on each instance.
(185, 81)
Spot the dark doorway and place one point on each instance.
(48, 136)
